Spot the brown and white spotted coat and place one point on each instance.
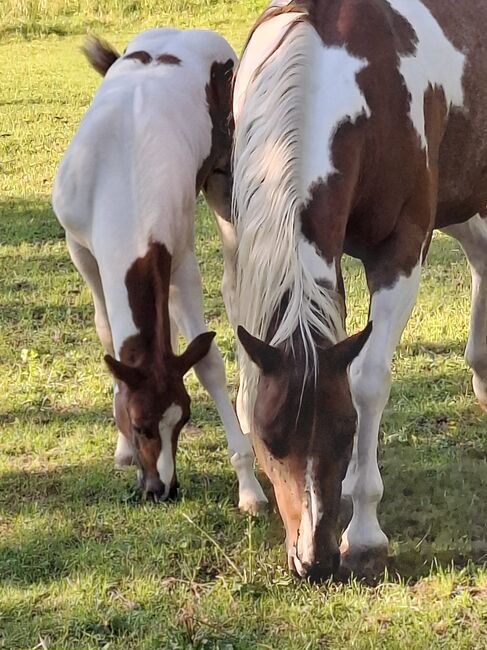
(378, 135)
(157, 132)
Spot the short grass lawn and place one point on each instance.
(83, 564)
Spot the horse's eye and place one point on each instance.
(137, 430)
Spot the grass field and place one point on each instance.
(82, 563)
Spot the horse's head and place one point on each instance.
(151, 407)
(151, 401)
(303, 426)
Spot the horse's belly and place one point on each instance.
(462, 190)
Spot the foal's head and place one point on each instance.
(303, 428)
(151, 401)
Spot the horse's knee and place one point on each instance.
(370, 383)
(211, 367)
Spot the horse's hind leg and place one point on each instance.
(186, 304)
(472, 235)
(88, 268)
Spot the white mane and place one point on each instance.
(268, 200)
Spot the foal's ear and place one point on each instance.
(341, 355)
(267, 357)
(196, 351)
(131, 376)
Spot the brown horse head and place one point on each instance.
(303, 426)
(151, 402)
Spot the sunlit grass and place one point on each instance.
(82, 563)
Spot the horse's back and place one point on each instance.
(131, 166)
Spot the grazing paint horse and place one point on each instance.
(360, 126)
(156, 133)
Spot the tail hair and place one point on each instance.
(100, 54)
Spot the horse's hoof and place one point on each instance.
(122, 462)
(366, 563)
(480, 390)
(250, 505)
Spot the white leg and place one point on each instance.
(241, 411)
(123, 452)
(88, 268)
(473, 238)
(364, 545)
(187, 308)
(229, 281)
(174, 335)
(346, 505)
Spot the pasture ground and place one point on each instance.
(82, 563)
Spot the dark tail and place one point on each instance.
(100, 54)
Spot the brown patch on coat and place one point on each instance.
(100, 54)
(214, 176)
(462, 183)
(140, 55)
(379, 205)
(148, 373)
(168, 59)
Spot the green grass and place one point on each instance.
(62, 17)
(82, 563)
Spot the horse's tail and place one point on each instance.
(100, 54)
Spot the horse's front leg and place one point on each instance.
(187, 307)
(364, 545)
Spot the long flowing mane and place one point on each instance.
(268, 200)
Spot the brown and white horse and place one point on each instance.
(156, 133)
(360, 126)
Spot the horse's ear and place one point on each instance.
(132, 377)
(268, 358)
(341, 355)
(100, 54)
(195, 352)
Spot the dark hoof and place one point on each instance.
(367, 564)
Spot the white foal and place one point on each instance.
(156, 133)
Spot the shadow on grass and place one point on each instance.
(91, 518)
(40, 415)
(434, 511)
(434, 508)
(420, 348)
(28, 220)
